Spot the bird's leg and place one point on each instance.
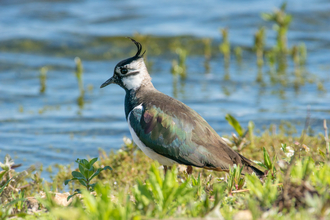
(166, 168)
(189, 170)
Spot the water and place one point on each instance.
(54, 128)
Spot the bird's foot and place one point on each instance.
(189, 170)
(166, 168)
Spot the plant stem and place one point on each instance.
(327, 148)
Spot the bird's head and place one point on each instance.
(130, 73)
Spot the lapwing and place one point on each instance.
(166, 129)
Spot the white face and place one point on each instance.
(133, 82)
(134, 74)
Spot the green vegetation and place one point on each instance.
(259, 44)
(43, 78)
(279, 67)
(225, 45)
(79, 75)
(179, 66)
(281, 21)
(297, 180)
(85, 175)
(296, 184)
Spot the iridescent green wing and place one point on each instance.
(175, 137)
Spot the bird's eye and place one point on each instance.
(123, 70)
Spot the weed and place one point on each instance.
(225, 45)
(282, 21)
(85, 175)
(43, 78)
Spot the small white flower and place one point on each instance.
(288, 151)
(7, 163)
(127, 140)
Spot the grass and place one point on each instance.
(298, 171)
(296, 186)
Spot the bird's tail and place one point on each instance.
(258, 172)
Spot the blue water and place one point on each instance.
(52, 128)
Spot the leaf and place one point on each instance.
(99, 170)
(241, 183)
(142, 194)
(78, 175)
(218, 193)
(156, 183)
(93, 161)
(250, 129)
(3, 166)
(8, 162)
(251, 126)
(240, 171)
(67, 181)
(2, 173)
(107, 168)
(77, 191)
(90, 172)
(95, 174)
(14, 202)
(321, 153)
(267, 16)
(3, 187)
(260, 163)
(21, 215)
(85, 163)
(70, 196)
(235, 124)
(82, 168)
(82, 182)
(22, 194)
(267, 160)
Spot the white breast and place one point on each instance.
(148, 151)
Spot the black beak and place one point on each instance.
(109, 81)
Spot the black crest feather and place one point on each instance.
(139, 47)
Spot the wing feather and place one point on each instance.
(173, 130)
(174, 137)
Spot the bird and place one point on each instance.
(166, 129)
